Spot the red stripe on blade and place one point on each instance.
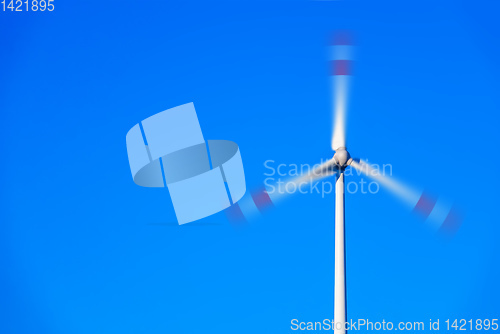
(451, 223)
(262, 200)
(341, 67)
(425, 205)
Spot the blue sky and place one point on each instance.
(85, 250)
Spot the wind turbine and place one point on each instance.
(443, 217)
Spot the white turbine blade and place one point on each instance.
(341, 72)
(339, 111)
(409, 195)
(256, 202)
(441, 215)
(318, 173)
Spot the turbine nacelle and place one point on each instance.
(342, 158)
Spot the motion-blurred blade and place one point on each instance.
(257, 202)
(405, 193)
(443, 216)
(318, 173)
(341, 51)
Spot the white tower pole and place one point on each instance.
(339, 291)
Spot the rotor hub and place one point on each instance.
(342, 158)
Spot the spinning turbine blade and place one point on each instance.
(341, 51)
(317, 173)
(257, 202)
(408, 195)
(442, 216)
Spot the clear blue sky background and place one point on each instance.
(85, 250)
